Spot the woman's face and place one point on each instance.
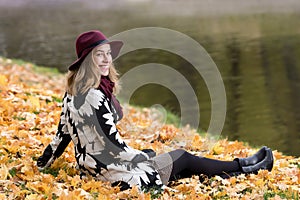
(102, 58)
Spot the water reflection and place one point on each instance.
(258, 55)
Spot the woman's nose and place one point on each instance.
(105, 59)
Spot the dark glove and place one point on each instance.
(149, 152)
(44, 159)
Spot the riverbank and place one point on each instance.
(30, 107)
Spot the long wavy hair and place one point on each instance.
(87, 76)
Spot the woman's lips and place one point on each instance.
(104, 68)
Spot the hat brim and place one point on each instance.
(115, 47)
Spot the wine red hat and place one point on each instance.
(87, 41)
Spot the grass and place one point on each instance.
(36, 68)
(53, 172)
(282, 195)
(173, 119)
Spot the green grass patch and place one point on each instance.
(48, 170)
(46, 70)
(154, 191)
(13, 171)
(19, 118)
(36, 68)
(282, 195)
(173, 119)
(57, 99)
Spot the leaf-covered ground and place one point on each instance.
(30, 105)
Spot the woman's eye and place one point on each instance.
(102, 54)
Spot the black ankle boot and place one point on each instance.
(266, 163)
(252, 160)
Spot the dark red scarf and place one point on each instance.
(107, 86)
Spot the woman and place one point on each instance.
(89, 116)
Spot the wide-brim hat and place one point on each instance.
(87, 41)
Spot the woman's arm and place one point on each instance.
(102, 119)
(59, 142)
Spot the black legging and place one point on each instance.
(186, 164)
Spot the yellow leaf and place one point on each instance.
(143, 123)
(232, 180)
(79, 194)
(134, 191)
(31, 197)
(3, 80)
(3, 172)
(218, 149)
(14, 188)
(197, 142)
(39, 187)
(2, 196)
(35, 103)
(64, 195)
(259, 182)
(47, 178)
(62, 175)
(103, 197)
(75, 181)
(28, 172)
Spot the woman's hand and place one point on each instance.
(46, 159)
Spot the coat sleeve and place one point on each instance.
(59, 142)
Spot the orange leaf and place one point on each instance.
(3, 80)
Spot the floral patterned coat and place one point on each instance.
(89, 120)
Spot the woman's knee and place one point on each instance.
(178, 153)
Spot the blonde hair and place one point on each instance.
(87, 76)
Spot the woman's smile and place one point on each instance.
(104, 69)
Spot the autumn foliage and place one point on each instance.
(30, 106)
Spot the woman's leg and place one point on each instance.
(186, 164)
